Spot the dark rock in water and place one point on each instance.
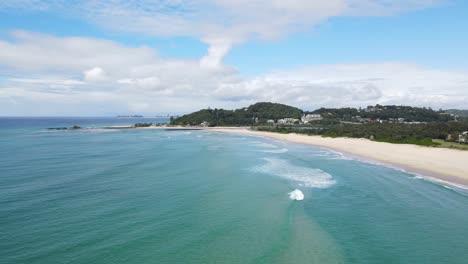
(64, 128)
(143, 124)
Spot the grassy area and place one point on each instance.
(415, 141)
(444, 144)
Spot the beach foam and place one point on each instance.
(283, 150)
(333, 155)
(307, 177)
(263, 145)
(296, 195)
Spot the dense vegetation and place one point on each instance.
(447, 144)
(420, 134)
(257, 113)
(408, 113)
(460, 113)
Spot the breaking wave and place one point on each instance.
(307, 177)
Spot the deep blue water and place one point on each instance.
(155, 196)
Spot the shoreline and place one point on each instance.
(443, 166)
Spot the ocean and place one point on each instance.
(157, 196)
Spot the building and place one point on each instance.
(362, 120)
(463, 137)
(271, 121)
(311, 117)
(288, 121)
(370, 109)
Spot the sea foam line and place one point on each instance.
(307, 177)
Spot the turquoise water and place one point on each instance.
(155, 196)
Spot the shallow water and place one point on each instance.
(154, 196)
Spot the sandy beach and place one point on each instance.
(448, 165)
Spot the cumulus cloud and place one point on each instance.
(71, 79)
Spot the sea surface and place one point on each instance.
(156, 196)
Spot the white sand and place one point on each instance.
(444, 164)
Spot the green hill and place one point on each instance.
(256, 113)
(461, 113)
(386, 112)
(259, 113)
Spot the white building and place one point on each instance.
(463, 138)
(311, 117)
(288, 121)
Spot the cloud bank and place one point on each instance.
(49, 75)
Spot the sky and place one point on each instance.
(105, 58)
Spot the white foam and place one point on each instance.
(296, 195)
(283, 150)
(265, 145)
(448, 187)
(332, 155)
(340, 156)
(308, 177)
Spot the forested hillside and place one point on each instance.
(256, 113)
(460, 113)
(408, 113)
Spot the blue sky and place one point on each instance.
(435, 37)
(346, 53)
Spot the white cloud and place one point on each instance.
(147, 83)
(32, 52)
(95, 74)
(137, 80)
